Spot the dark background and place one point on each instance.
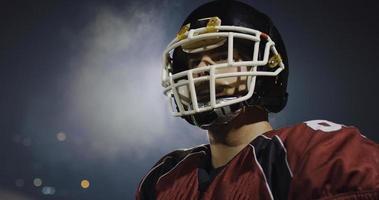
(81, 96)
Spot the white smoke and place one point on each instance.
(116, 93)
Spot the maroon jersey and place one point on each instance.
(312, 160)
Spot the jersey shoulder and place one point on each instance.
(315, 137)
(312, 128)
(311, 134)
(164, 165)
(328, 158)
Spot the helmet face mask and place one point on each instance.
(227, 87)
(211, 71)
(181, 85)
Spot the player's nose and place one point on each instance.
(205, 60)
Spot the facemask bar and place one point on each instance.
(173, 82)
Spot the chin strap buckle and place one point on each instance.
(213, 22)
(182, 34)
(274, 61)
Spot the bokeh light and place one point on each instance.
(37, 182)
(48, 190)
(84, 184)
(61, 136)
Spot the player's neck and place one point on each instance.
(227, 142)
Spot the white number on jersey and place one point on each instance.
(323, 125)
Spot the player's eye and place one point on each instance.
(220, 57)
(193, 63)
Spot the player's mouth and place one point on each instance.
(203, 94)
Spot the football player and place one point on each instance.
(224, 72)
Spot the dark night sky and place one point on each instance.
(81, 96)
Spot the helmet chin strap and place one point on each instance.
(218, 116)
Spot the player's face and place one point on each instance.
(225, 87)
